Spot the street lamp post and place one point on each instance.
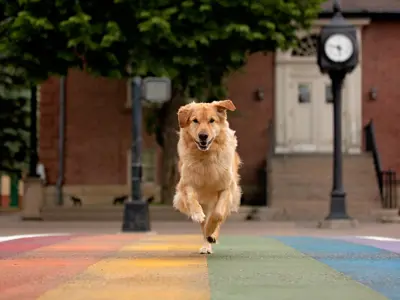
(136, 216)
(337, 56)
(33, 154)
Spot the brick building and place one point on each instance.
(290, 126)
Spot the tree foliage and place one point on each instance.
(197, 43)
(14, 115)
(14, 118)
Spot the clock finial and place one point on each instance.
(336, 7)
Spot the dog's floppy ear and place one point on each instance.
(184, 114)
(224, 105)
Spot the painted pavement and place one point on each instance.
(167, 267)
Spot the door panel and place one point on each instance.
(325, 117)
(310, 112)
(302, 116)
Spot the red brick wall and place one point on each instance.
(381, 69)
(48, 131)
(253, 117)
(97, 133)
(98, 125)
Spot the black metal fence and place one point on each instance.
(389, 192)
(386, 179)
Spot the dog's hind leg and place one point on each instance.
(218, 215)
(206, 248)
(213, 238)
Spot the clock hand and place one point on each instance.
(336, 47)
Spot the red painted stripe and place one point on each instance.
(31, 274)
(15, 247)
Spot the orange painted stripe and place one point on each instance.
(29, 275)
(156, 268)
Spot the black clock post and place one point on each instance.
(337, 56)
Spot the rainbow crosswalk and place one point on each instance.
(168, 267)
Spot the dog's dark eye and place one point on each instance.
(212, 120)
(195, 121)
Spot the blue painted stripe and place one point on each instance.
(376, 268)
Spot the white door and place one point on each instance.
(302, 116)
(310, 113)
(303, 110)
(325, 116)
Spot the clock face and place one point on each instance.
(338, 48)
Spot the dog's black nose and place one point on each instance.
(203, 137)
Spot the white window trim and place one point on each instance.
(129, 170)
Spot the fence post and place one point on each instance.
(396, 204)
(1, 189)
(14, 195)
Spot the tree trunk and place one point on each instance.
(169, 131)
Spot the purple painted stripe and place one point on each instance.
(392, 246)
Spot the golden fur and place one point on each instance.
(208, 189)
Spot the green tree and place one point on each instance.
(195, 43)
(14, 118)
(14, 114)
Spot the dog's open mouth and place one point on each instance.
(203, 146)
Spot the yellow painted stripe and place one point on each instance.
(157, 268)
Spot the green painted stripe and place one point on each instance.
(248, 268)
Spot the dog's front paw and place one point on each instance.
(211, 239)
(206, 249)
(198, 217)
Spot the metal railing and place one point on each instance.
(389, 182)
(270, 154)
(386, 179)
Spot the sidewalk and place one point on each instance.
(11, 224)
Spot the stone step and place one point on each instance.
(316, 210)
(300, 185)
(317, 193)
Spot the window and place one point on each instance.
(328, 94)
(303, 93)
(306, 47)
(25, 92)
(149, 165)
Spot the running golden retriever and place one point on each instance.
(208, 189)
